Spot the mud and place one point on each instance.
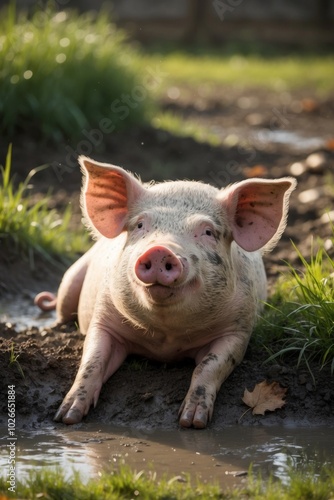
(144, 394)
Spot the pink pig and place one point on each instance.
(176, 272)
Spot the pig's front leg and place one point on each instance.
(214, 362)
(102, 356)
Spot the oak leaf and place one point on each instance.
(265, 396)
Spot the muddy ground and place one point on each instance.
(143, 393)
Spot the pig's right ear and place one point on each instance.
(106, 195)
(257, 211)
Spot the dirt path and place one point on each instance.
(148, 394)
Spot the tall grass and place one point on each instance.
(29, 228)
(61, 73)
(299, 322)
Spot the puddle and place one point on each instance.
(24, 314)
(293, 139)
(221, 456)
(261, 138)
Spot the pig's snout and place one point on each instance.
(159, 265)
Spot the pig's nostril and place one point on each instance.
(168, 267)
(148, 265)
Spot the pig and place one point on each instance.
(176, 272)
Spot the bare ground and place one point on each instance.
(143, 393)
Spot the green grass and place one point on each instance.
(62, 73)
(29, 228)
(127, 484)
(176, 125)
(13, 360)
(299, 320)
(282, 71)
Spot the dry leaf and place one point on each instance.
(330, 144)
(309, 105)
(265, 396)
(256, 171)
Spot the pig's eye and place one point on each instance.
(209, 231)
(209, 234)
(140, 225)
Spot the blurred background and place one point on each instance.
(302, 22)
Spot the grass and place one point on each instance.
(237, 67)
(29, 228)
(127, 484)
(61, 73)
(176, 125)
(299, 321)
(13, 360)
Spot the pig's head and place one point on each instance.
(177, 252)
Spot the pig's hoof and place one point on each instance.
(194, 415)
(72, 416)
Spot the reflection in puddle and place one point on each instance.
(219, 456)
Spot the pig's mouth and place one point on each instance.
(160, 293)
(168, 295)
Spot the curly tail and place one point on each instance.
(46, 301)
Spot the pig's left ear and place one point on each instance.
(257, 211)
(107, 193)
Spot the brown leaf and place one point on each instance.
(256, 171)
(265, 396)
(309, 105)
(330, 144)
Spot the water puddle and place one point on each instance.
(24, 314)
(222, 456)
(263, 137)
(295, 140)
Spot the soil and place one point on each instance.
(144, 393)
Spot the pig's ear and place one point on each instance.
(106, 195)
(257, 211)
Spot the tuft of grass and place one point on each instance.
(299, 321)
(122, 483)
(13, 360)
(29, 229)
(128, 484)
(61, 73)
